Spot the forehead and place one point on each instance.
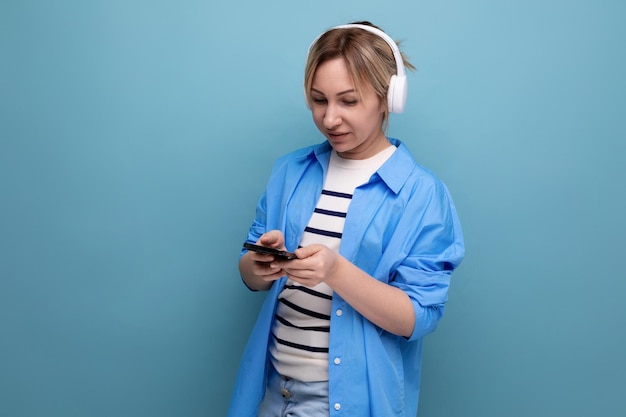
(332, 74)
(333, 77)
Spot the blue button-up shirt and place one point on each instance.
(401, 228)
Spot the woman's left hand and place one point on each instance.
(315, 264)
(386, 306)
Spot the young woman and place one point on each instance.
(376, 238)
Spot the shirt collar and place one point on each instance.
(398, 167)
(394, 172)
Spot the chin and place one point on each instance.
(340, 146)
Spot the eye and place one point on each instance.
(318, 100)
(350, 102)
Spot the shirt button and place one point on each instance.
(337, 406)
(337, 361)
(339, 312)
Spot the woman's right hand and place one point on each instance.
(256, 269)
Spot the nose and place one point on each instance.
(332, 118)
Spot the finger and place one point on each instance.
(308, 251)
(294, 265)
(307, 282)
(260, 267)
(273, 239)
(274, 276)
(263, 258)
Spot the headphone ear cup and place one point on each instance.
(396, 94)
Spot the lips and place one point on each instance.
(337, 136)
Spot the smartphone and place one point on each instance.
(270, 251)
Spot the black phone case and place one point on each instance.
(270, 251)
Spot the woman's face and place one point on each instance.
(352, 125)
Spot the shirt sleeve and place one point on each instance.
(433, 253)
(258, 226)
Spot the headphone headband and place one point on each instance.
(397, 92)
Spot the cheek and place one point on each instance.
(377, 116)
(318, 117)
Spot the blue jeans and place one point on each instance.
(287, 397)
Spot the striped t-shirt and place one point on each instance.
(300, 333)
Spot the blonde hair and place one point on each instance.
(369, 59)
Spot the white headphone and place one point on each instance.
(397, 92)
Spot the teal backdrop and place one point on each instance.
(137, 136)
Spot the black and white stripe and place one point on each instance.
(301, 327)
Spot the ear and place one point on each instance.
(383, 105)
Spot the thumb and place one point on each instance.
(306, 251)
(273, 239)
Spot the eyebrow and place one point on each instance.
(339, 94)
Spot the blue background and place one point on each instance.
(136, 137)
